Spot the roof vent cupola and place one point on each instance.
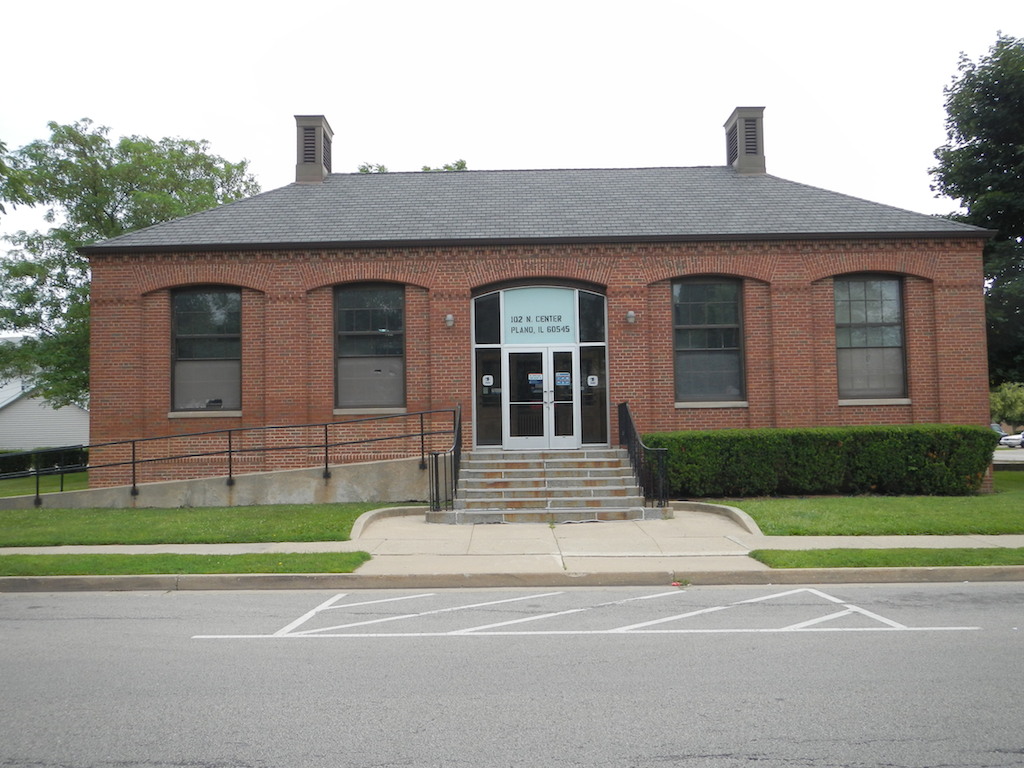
(744, 140)
(313, 148)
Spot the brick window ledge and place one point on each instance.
(204, 415)
(368, 411)
(877, 401)
(714, 404)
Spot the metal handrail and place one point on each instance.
(42, 468)
(444, 469)
(650, 464)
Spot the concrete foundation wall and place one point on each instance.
(396, 480)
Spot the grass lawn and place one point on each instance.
(80, 565)
(996, 513)
(192, 525)
(888, 558)
(991, 513)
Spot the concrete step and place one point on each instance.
(543, 482)
(568, 502)
(550, 516)
(554, 483)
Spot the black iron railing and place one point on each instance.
(233, 445)
(444, 470)
(650, 464)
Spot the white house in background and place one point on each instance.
(27, 422)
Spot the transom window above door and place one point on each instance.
(539, 315)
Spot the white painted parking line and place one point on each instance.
(823, 623)
(306, 617)
(424, 613)
(328, 604)
(560, 613)
(848, 611)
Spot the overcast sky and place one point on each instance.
(853, 91)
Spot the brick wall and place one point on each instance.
(288, 341)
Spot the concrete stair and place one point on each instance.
(546, 486)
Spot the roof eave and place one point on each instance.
(102, 250)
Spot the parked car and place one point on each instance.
(998, 430)
(1013, 441)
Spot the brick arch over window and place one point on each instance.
(920, 264)
(257, 278)
(329, 275)
(561, 282)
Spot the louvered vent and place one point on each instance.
(312, 149)
(308, 144)
(749, 136)
(731, 146)
(744, 140)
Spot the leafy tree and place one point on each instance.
(12, 182)
(91, 189)
(458, 165)
(1007, 403)
(982, 165)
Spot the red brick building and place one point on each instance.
(707, 297)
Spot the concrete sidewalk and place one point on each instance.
(703, 544)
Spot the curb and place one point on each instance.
(229, 582)
(365, 519)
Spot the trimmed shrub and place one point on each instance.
(919, 459)
(44, 458)
(14, 461)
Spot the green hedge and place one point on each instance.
(919, 459)
(11, 461)
(23, 461)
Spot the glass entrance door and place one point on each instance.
(541, 400)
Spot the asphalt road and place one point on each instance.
(920, 675)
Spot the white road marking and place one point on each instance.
(642, 628)
(562, 613)
(306, 617)
(541, 633)
(424, 613)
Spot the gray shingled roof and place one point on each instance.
(596, 205)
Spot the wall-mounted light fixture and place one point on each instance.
(631, 317)
(449, 320)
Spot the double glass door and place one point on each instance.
(542, 408)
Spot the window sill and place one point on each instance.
(713, 404)
(877, 401)
(204, 415)
(368, 411)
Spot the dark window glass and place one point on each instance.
(207, 349)
(869, 337)
(708, 339)
(488, 396)
(369, 323)
(487, 317)
(592, 323)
